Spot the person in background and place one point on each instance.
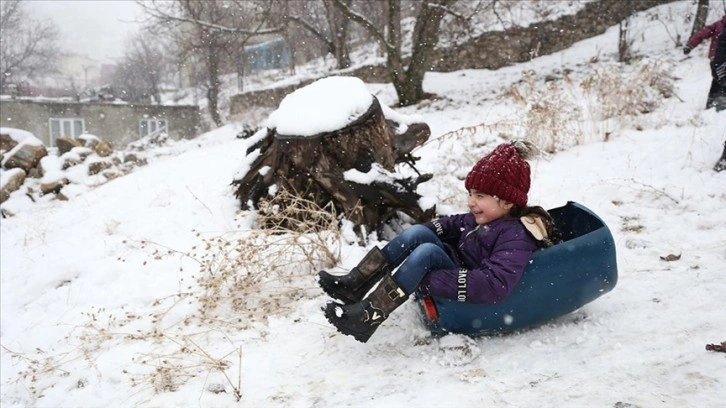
(475, 257)
(711, 31)
(718, 66)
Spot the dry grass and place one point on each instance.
(240, 279)
(259, 273)
(560, 112)
(553, 117)
(638, 91)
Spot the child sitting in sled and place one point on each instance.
(474, 257)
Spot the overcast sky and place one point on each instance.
(96, 28)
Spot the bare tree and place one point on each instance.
(27, 46)
(406, 79)
(143, 68)
(625, 43)
(331, 31)
(701, 15)
(211, 30)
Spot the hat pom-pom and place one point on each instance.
(526, 150)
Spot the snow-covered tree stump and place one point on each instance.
(353, 167)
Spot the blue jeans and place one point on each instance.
(418, 251)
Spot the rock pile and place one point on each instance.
(31, 169)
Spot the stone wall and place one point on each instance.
(490, 50)
(116, 123)
(497, 49)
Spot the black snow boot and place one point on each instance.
(351, 288)
(721, 163)
(361, 319)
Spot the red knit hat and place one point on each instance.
(502, 173)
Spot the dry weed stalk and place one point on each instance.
(561, 113)
(242, 277)
(259, 274)
(290, 211)
(187, 361)
(38, 367)
(637, 91)
(552, 120)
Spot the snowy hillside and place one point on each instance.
(154, 290)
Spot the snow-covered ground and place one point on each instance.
(154, 290)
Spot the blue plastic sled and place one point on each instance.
(578, 269)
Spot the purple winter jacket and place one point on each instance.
(491, 258)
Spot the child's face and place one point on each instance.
(487, 208)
